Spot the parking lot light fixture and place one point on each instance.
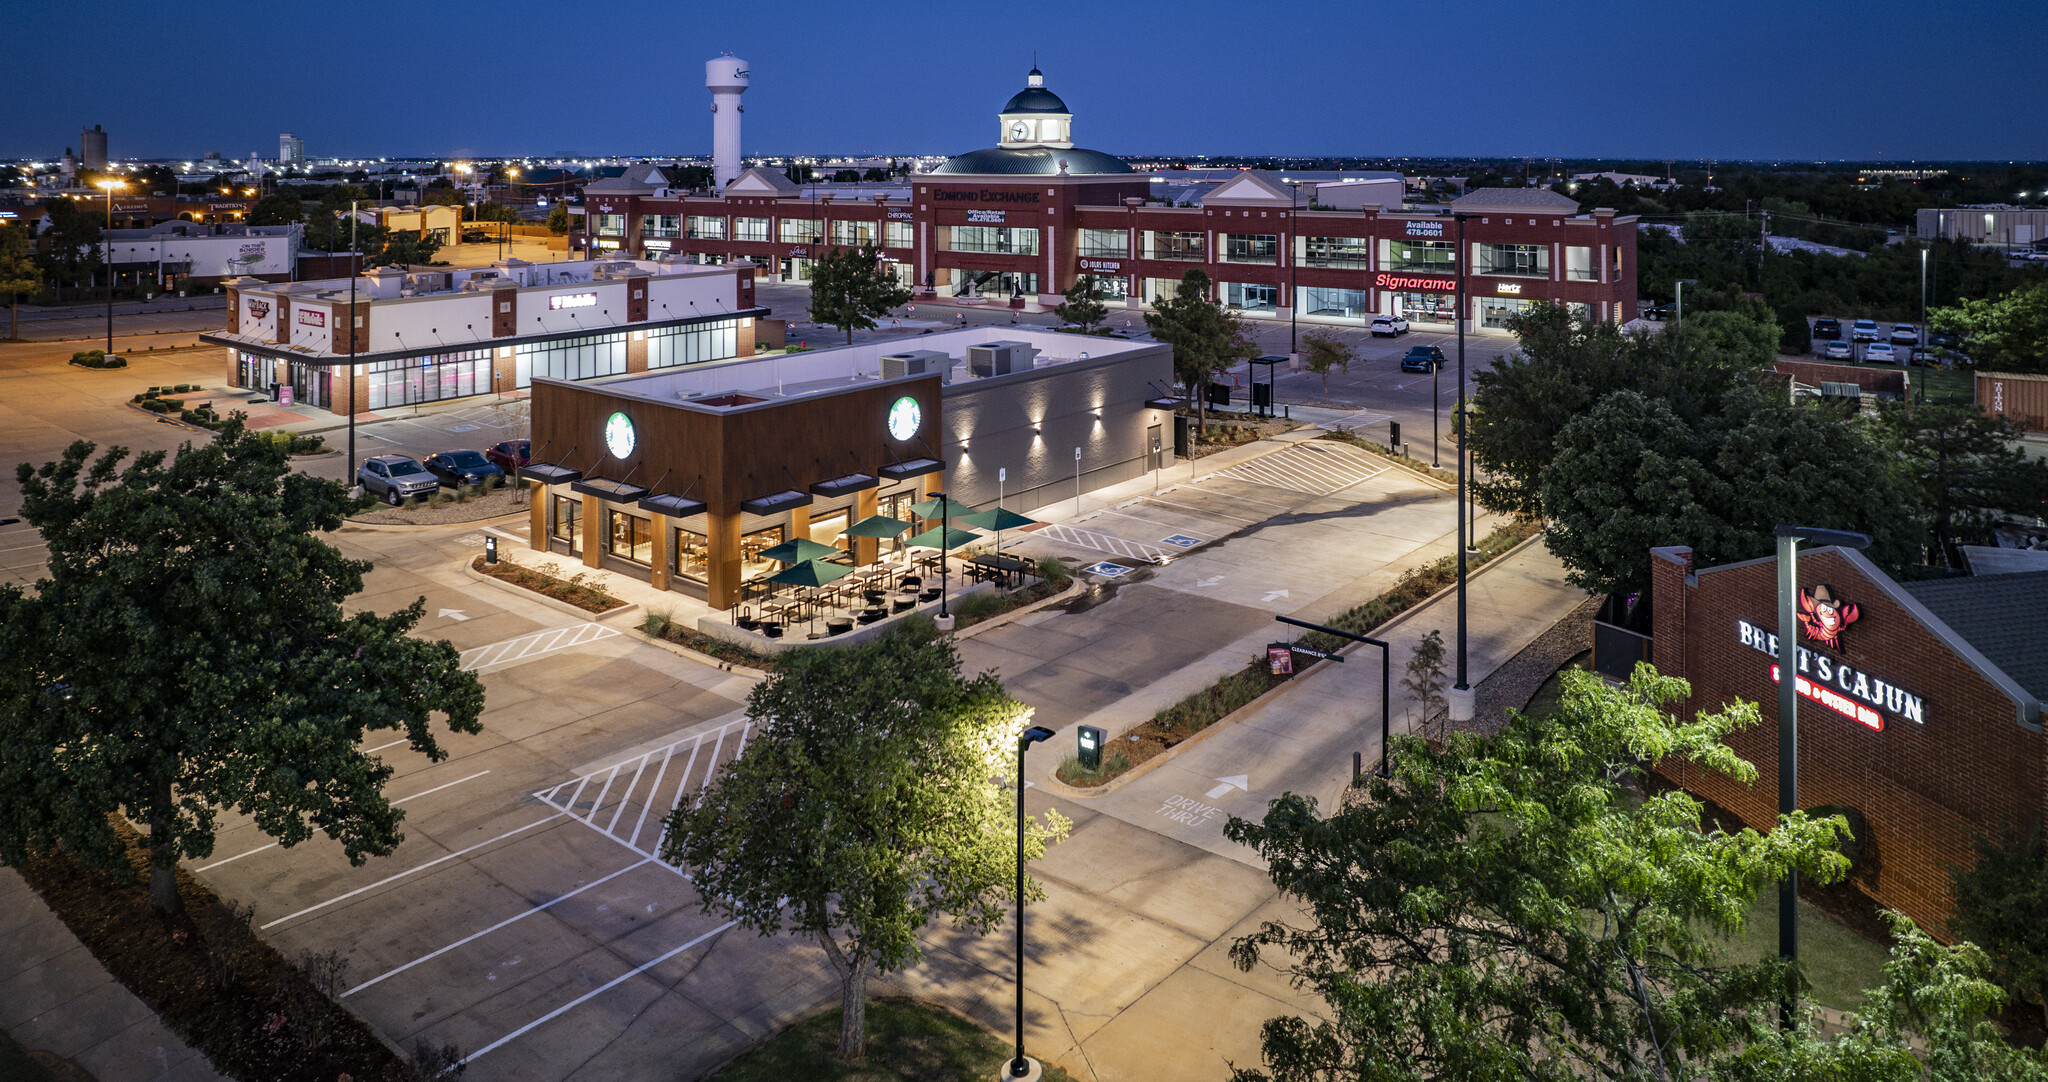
(107, 242)
(1019, 1066)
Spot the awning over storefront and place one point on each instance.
(844, 486)
(543, 473)
(672, 505)
(776, 502)
(609, 490)
(916, 467)
(1165, 402)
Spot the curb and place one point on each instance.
(739, 667)
(1074, 586)
(543, 599)
(1052, 784)
(403, 526)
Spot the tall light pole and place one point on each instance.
(1789, 537)
(107, 242)
(1679, 315)
(1459, 701)
(1294, 270)
(1923, 325)
(1019, 1066)
(355, 263)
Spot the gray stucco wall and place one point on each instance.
(989, 426)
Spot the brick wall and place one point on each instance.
(1924, 788)
(1813, 373)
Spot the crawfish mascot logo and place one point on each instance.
(1823, 618)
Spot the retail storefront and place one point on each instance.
(1920, 703)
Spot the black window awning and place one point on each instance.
(1165, 402)
(673, 506)
(604, 489)
(776, 503)
(844, 486)
(916, 467)
(545, 474)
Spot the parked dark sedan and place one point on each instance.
(1827, 330)
(1423, 359)
(458, 468)
(509, 455)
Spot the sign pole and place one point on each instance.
(1385, 665)
(1788, 750)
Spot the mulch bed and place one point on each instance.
(1511, 686)
(211, 979)
(496, 503)
(588, 596)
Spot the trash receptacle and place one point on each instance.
(276, 391)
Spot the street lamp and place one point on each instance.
(1294, 270)
(1923, 325)
(1019, 1066)
(1789, 537)
(107, 242)
(1678, 316)
(1459, 701)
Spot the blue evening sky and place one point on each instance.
(1794, 79)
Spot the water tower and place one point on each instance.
(726, 78)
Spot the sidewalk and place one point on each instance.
(56, 997)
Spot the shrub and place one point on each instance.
(157, 405)
(1054, 572)
(658, 622)
(982, 605)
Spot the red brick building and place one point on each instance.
(1021, 221)
(1922, 710)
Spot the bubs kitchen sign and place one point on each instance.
(1860, 696)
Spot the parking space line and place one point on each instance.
(381, 747)
(1102, 542)
(410, 871)
(534, 645)
(627, 799)
(652, 792)
(473, 936)
(594, 993)
(684, 784)
(1198, 511)
(1149, 522)
(400, 800)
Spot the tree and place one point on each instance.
(1926, 1022)
(2007, 333)
(406, 248)
(1795, 335)
(1425, 679)
(18, 273)
(438, 194)
(1327, 351)
(278, 208)
(73, 253)
(876, 795)
(1516, 906)
(558, 219)
(1205, 338)
(189, 653)
(1962, 469)
(1083, 309)
(850, 289)
(1999, 902)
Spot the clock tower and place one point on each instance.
(1036, 117)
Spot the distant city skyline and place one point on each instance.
(1742, 80)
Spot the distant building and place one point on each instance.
(1623, 180)
(92, 148)
(291, 151)
(1998, 224)
(67, 166)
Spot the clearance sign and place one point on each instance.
(1857, 695)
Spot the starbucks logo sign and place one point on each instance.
(619, 437)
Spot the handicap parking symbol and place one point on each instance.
(1107, 569)
(1181, 541)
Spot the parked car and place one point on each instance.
(1865, 330)
(1658, 313)
(1423, 359)
(1826, 329)
(395, 477)
(476, 236)
(465, 467)
(1837, 350)
(509, 455)
(1924, 355)
(1944, 339)
(1905, 334)
(1880, 353)
(1389, 326)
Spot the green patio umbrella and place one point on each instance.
(941, 507)
(797, 550)
(954, 537)
(811, 573)
(998, 519)
(878, 526)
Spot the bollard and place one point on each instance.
(1357, 765)
(490, 549)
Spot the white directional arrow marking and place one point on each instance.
(457, 613)
(1208, 582)
(1235, 781)
(1272, 595)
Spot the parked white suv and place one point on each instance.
(396, 478)
(1865, 330)
(1389, 326)
(1905, 334)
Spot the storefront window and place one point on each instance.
(1428, 256)
(1515, 260)
(1007, 240)
(611, 225)
(1339, 303)
(692, 555)
(1250, 296)
(750, 229)
(896, 235)
(829, 529)
(706, 259)
(796, 269)
(661, 225)
(996, 284)
(631, 538)
(434, 378)
(799, 231)
(1426, 307)
(1251, 248)
(709, 227)
(1578, 263)
(1104, 242)
(1164, 244)
(853, 234)
(692, 344)
(575, 358)
(752, 566)
(1354, 253)
(566, 522)
(1495, 312)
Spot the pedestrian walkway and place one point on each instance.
(56, 997)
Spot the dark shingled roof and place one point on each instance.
(1035, 99)
(1032, 161)
(1532, 198)
(2001, 615)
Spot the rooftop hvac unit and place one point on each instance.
(917, 362)
(999, 358)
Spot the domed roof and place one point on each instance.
(1035, 99)
(1032, 161)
